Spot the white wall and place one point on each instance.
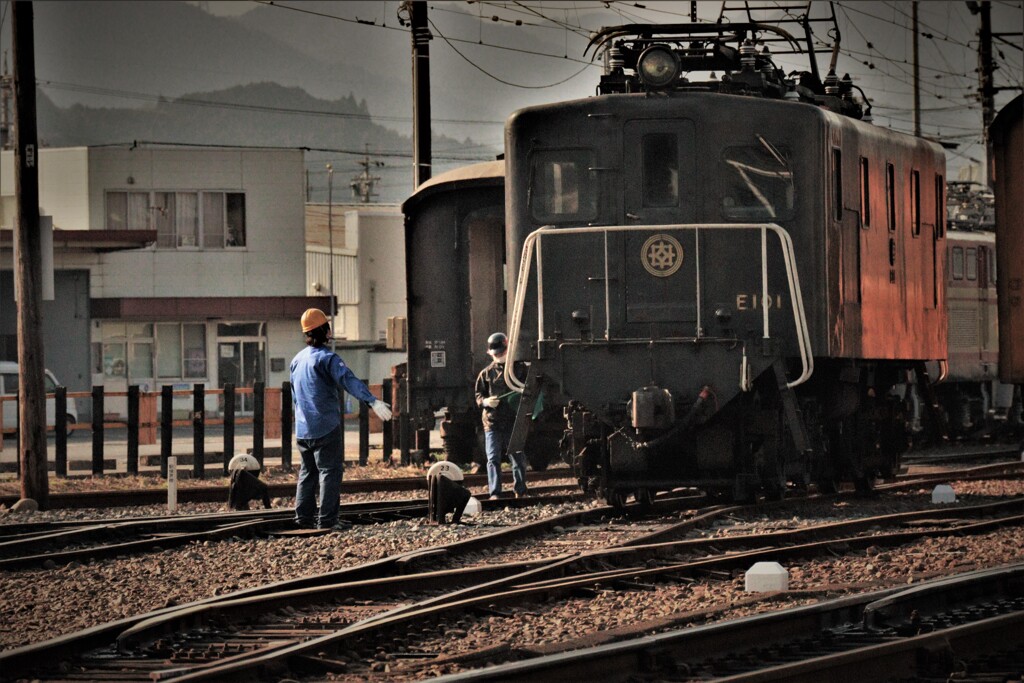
(381, 269)
(271, 264)
(63, 187)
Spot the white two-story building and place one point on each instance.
(173, 265)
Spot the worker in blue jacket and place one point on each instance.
(317, 373)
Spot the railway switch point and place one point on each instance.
(766, 577)
(943, 493)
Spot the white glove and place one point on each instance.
(492, 402)
(382, 410)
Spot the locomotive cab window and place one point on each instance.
(972, 264)
(758, 183)
(915, 203)
(660, 170)
(865, 194)
(956, 264)
(562, 187)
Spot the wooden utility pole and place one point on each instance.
(917, 78)
(420, 92)
(986, 70)
(28, 263)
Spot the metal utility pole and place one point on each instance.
(28, 262)
(330, 248)
(917, 78)
(420, 92)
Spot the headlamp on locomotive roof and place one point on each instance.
(658, 66)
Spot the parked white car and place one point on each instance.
(9, 387)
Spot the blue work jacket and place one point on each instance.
(316, 375)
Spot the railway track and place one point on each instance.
(354, 620)
(49, 544)
(965, 628)
(219, 494)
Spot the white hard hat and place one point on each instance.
(244, 461)
(445, 469)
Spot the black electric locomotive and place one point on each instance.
(730, 283)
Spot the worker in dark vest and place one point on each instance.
(498, 404)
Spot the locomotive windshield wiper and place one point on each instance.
(773, 151)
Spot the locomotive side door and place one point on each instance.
(659, 269)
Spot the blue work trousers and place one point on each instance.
(495, 441)
(321, 457)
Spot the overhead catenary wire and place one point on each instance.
(498, 78)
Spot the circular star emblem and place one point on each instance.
(662, 255)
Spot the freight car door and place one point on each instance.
(659, 188)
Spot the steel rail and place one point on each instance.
(21, 660)
(219, 494)
(650, 654)
(551, 580)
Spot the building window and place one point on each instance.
(141, 352)
(182, 220)
(181, 350)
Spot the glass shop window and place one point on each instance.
(660, 170)
(562, 186)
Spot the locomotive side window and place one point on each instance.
(837, 183)
(660, 170)
(865, 194)
(561, 186)
(972, 264)
(758, 183)
(915, 203)
(956, 265)
(890, 196)
(940, 206)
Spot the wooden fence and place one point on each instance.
(151, 415)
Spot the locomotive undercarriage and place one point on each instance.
(850, 423)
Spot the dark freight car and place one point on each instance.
(455, 232)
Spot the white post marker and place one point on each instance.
(943, 493)
(766, 577)
(172, 484)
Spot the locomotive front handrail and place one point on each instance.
(533, 240)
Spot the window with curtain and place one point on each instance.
(187, 219)
(182, 220)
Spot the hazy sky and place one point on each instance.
(490, 58)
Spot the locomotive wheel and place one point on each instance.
(617, 499)
(864, 483)
(644, 498)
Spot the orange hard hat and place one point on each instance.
(312, 319)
